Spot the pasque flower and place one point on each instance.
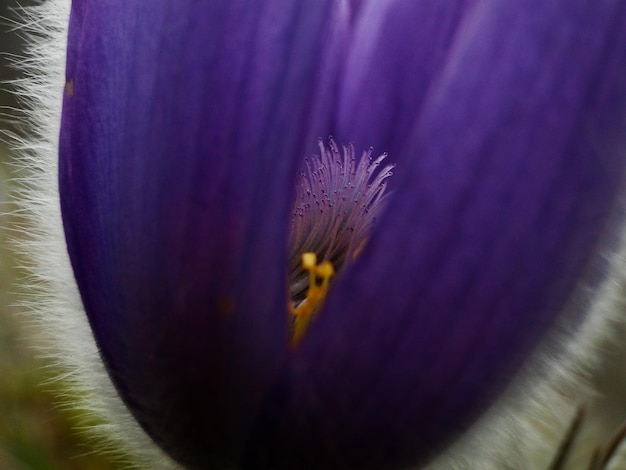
(184, 127)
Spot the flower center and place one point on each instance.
(337, 202)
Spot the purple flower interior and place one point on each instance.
(181, 140)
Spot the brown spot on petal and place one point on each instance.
(226, 306)
(69, 88)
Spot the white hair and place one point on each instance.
(52, 300)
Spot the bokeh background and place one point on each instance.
(37, 432)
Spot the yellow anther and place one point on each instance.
(309, 261)
(319, 280)
(325, 270)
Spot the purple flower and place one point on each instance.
(185, 124)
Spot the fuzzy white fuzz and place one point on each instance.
(53, 299)
(521, 432)
(524, 429)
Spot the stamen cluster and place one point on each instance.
(337, 202)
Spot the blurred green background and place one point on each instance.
(35, 430)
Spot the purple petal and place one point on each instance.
(505, 194)
(183, 125)
(397, 49)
